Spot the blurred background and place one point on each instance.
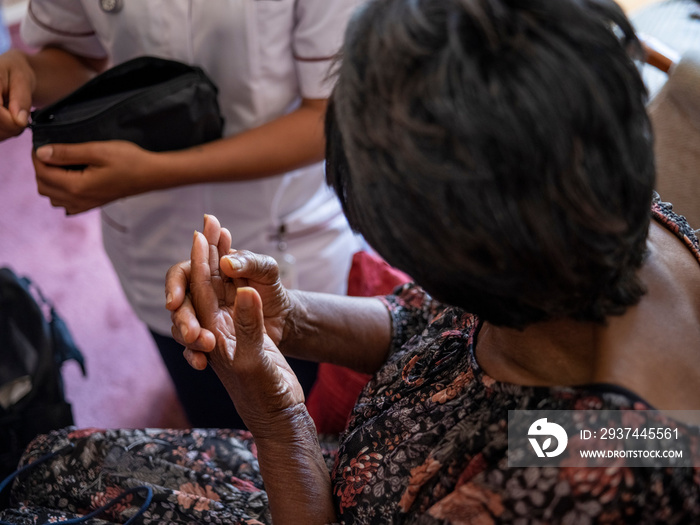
(126, 385)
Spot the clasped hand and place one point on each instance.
(230, 310)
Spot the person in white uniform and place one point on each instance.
(270, 60)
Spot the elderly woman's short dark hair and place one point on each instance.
(498, 151)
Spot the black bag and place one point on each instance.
(159, 104)
(34, 343)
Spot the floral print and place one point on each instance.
(440, 425)
(357, 474)
(197, 476)
(426, 443)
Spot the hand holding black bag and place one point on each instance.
(158, 104)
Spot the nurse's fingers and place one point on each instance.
(86, 153)
(8, 126)
(19, 100)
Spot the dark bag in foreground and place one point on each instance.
(34, 343)
(159, 104)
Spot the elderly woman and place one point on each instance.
(498, 151)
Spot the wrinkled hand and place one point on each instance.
(254, 372)
(17, 82)
(114, 169)
(233, 270)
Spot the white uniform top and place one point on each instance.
(263, 55)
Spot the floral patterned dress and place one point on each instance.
(426, 443)
(197, 476)
(427, 440)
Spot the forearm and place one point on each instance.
(59, 72)
(354, 332)
(284, 144)
(296, 477)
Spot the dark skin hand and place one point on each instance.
(261, 385)
(350, 331)
(283, 144)
(260, 272)
(28, 80)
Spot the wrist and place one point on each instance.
(295, 322)
(294, 471)
(169, 169)
(289, 426)
(147, 173)
(162, 170)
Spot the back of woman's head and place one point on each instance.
(498, 151)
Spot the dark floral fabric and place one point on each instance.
(426, 443)
(427, 440)
(197, 476)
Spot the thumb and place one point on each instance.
(19, 114)
(248, 265)
(20, 100)
(67, 154)
(248, 323)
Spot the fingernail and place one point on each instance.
(45, 152)
(23, 117)
(168, 299)
(235, 263)
(245, 300)
(184, 331)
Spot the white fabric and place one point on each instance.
(263, 55)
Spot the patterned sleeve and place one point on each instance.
(663, 213)
(318, 35)
(62, 23)
(411, 308)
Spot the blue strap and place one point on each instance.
(116, 500)
(64, 345)
(5, 482)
